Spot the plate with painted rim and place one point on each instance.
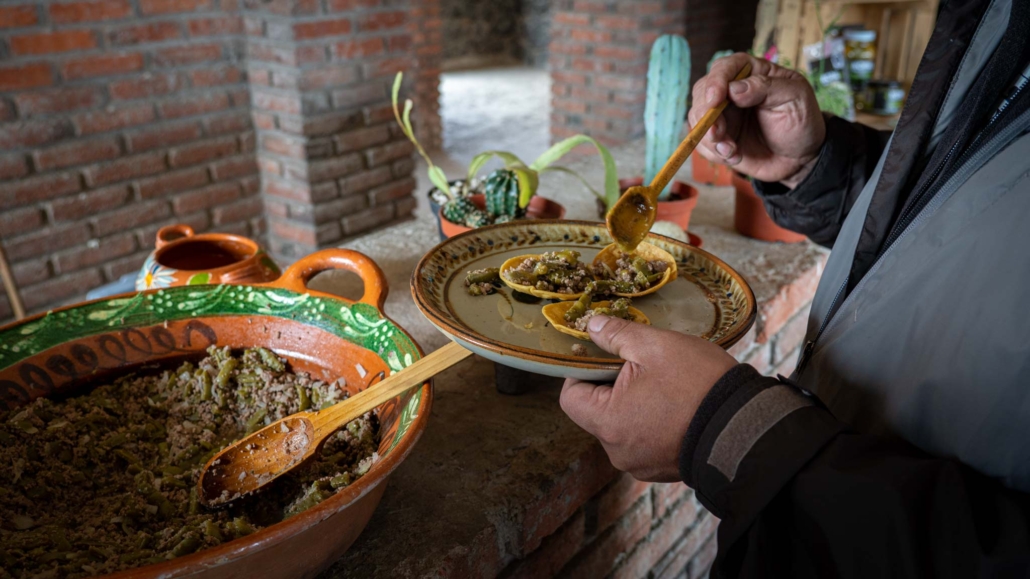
(708, 298)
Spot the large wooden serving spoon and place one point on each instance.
(633, 214)
(264, 456)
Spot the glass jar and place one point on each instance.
(860, 50)
(885, 97)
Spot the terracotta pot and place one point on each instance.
(750, 218)
(539, 208)
(705, 171)
(324, 335)
(185, 258)
(434, 206)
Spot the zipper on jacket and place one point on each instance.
(966, 168)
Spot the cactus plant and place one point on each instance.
(668, 82)
(502, 194)
(458, 209)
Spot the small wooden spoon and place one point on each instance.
(260, 458)
(633, 214)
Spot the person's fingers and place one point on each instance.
(626, 339)
(585, 403)
(766, 91)
(718, 79)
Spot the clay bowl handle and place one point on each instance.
(297, 276)
(170, 233)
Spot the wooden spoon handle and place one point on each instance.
(330, 419)
(693, 138)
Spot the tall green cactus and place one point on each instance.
(502, 194)
(668, 81)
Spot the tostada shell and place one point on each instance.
(555, 313)
(609, 255)
(528, 289)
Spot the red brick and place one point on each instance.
(790, 336)
(789, 300)
(666, 496)
(284, 146)
(102, 65)
(144, 33)
(186, 203)
(91, 11)
(370, 219)
(571, 19)
(358, 48)
(228, 123)
(76, 207)
(282, 104)
(116, 268)
(359, 95)
(25, 76)
(124, 169)
(237, 211)
(6, 111)
(321, 28)
(30, 272)
(47, 240)
(55, 290)
(619, 52)
(221, 25)
(327, 77)
(618, 22)
(78, 152)
(51, 42)
(331, 210)
(570, 48)
(333, 168)
(37, 189)
(391, 192)
(557, 550)
(162, 136)
(248, 141)
(146, 86)
(17, 221)
(58, 100)
(658, 542)
(386, 153)
(381, 20)
(132, 216)
(760, 357)
(386, 67)
(616, 499)
(216, 76)
(598, 559)
(620, 83)
(702, 562)
(364, 181)
(679, 557)
(150, 7)
(569, 106)
(343, 5)
(361, 139)
(106, 249)
(289, 190)
(18, 16)
(192, 105)
(292, 231)
(12, 167)
(403, 43)
(174, 182)
(403, 167)
(185, 55)
(269, 166)
(202, 152)
(234, 168)
(112, 118)
(405, 207)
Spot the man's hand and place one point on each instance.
(642, 418)
(772, 129)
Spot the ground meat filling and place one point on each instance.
(633, 274)
(106, 481)
(481, 282)
(557, 271)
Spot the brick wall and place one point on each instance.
(598, 55)
(120, 116)
(117, 117)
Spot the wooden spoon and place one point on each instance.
(260, 458)
(633, 214)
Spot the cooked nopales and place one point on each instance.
(572, 317)
(641, 273)
(556, 275)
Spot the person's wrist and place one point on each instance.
(807, 163)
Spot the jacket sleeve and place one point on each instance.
(819, 204)
(800, 495)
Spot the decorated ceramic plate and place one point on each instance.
(706, 299)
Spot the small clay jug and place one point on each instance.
(182, 257)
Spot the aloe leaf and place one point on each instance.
(582, 179)
(395, 95)
(439, 179)
(560, 149)
(407, 117)
(510, 161)
(529, 180)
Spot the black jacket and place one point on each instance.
(801, 493)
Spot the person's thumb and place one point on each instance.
(766, 91)
(585, 403)
(617, 336)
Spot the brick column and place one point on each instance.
(598, 55)
(426, 26)
(331, 163)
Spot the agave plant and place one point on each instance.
(508, 190)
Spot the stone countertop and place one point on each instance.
(494, 474)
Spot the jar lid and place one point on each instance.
(860, 35)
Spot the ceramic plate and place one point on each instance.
(707, 299)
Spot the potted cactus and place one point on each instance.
(505, 194)
(668, 82)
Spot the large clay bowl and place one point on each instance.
(707, 298)
(327, 336)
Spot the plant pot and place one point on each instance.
(677, 209)
(750, 218)
(709, 173)
(539, 208)
(435, 205)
